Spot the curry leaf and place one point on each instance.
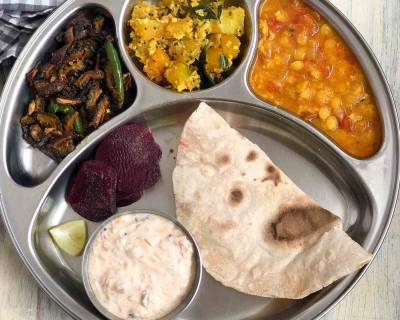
(219, 12)
(223, 62)
(207, 80)
(203, 11)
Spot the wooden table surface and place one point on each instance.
(377, 295)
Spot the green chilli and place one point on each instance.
(113, 58)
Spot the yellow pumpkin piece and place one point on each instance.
(181, 77)
(203, 29)
(230, 46)
(156, 64)
(178, 28)
(215, 40)
(213, 60)
(144, 10)
(231, 21)
(168, 3)
(147, 29)
(173, 5)
(141, 50)
(186, 50)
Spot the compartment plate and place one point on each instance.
(362, 192)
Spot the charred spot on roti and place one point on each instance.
(272, 174)
(223, 159)
(297, 222)
(271, 169)
(185, 209)
(236, 196)
(293, 224)
(252, 155)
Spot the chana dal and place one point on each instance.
(304, 66)
(186, 44)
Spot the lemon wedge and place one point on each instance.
(70, 236)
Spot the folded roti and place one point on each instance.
(257, 231)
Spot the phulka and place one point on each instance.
(257, 231)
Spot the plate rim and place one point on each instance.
(393, 201)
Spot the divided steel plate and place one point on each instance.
(32, 187)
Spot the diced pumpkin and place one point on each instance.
(178, 28)
(215, 40)
(181, 77)
(173, 5)
(213, 60)
(156, 64)
(230, 45)
(186, 50)
(231, 21)
(143, 10)
(141, 51)
(147, 29)
(203, 29)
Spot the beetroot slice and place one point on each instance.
(126, 199)
(149, 178)
(92, 193)
(153, 174)
(135, 156)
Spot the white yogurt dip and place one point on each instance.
(141, 266)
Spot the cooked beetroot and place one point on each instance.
(150, 178)
(126, 199)
(127, 163)
(153, 174)
(133, 153)
(92, 192)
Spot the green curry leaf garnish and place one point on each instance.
(219, 12)
(223, 62)
(203, 11)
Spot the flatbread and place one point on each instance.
(257, 231)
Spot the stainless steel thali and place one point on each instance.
(32, 187)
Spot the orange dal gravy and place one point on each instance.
(304, 66)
